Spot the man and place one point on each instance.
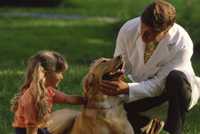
(157, 54)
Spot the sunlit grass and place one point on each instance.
(26, 22)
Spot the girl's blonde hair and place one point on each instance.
(38, 65)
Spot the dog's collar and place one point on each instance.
(101, 105)
(98, 105)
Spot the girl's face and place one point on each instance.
(53, 78)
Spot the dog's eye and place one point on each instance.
(103, 61)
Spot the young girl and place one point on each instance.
(32, 105)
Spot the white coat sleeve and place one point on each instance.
(153, 87)
(120, 49)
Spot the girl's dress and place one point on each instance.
(26, 114)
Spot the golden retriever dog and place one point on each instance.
(102, 114)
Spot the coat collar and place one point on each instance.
(160, 52)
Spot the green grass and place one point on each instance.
(81, 41)
(91, 8)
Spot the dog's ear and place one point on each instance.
(88, 81)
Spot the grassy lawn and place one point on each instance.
(80, 40)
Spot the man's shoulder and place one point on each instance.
(180, 31)
(179, 28)
(179, 37)
(131, 25)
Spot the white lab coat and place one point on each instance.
(174, 51)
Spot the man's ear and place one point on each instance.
(88, 82)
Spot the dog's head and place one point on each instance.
(102, 69)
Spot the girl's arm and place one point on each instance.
(31, 130)
(61, 97)
(75, 99)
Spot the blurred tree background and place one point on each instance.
(82, 30)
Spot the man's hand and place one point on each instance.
(113, 88)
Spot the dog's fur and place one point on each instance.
(102, 114)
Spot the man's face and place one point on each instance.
(150, 35)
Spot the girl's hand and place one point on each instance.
(84, 100)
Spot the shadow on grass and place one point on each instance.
(37, 3)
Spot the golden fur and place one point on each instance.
(102, 114)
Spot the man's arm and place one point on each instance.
(152, 87)
(124, 37)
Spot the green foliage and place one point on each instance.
(188, 16)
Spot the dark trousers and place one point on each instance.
(177, 93)
(23, 131)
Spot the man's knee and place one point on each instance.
(176, 76)
(176, 81)
(177, 85)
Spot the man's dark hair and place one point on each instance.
(159, 15)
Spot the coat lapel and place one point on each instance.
(153, 64)
(160, 53)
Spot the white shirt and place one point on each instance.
(173, 52)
